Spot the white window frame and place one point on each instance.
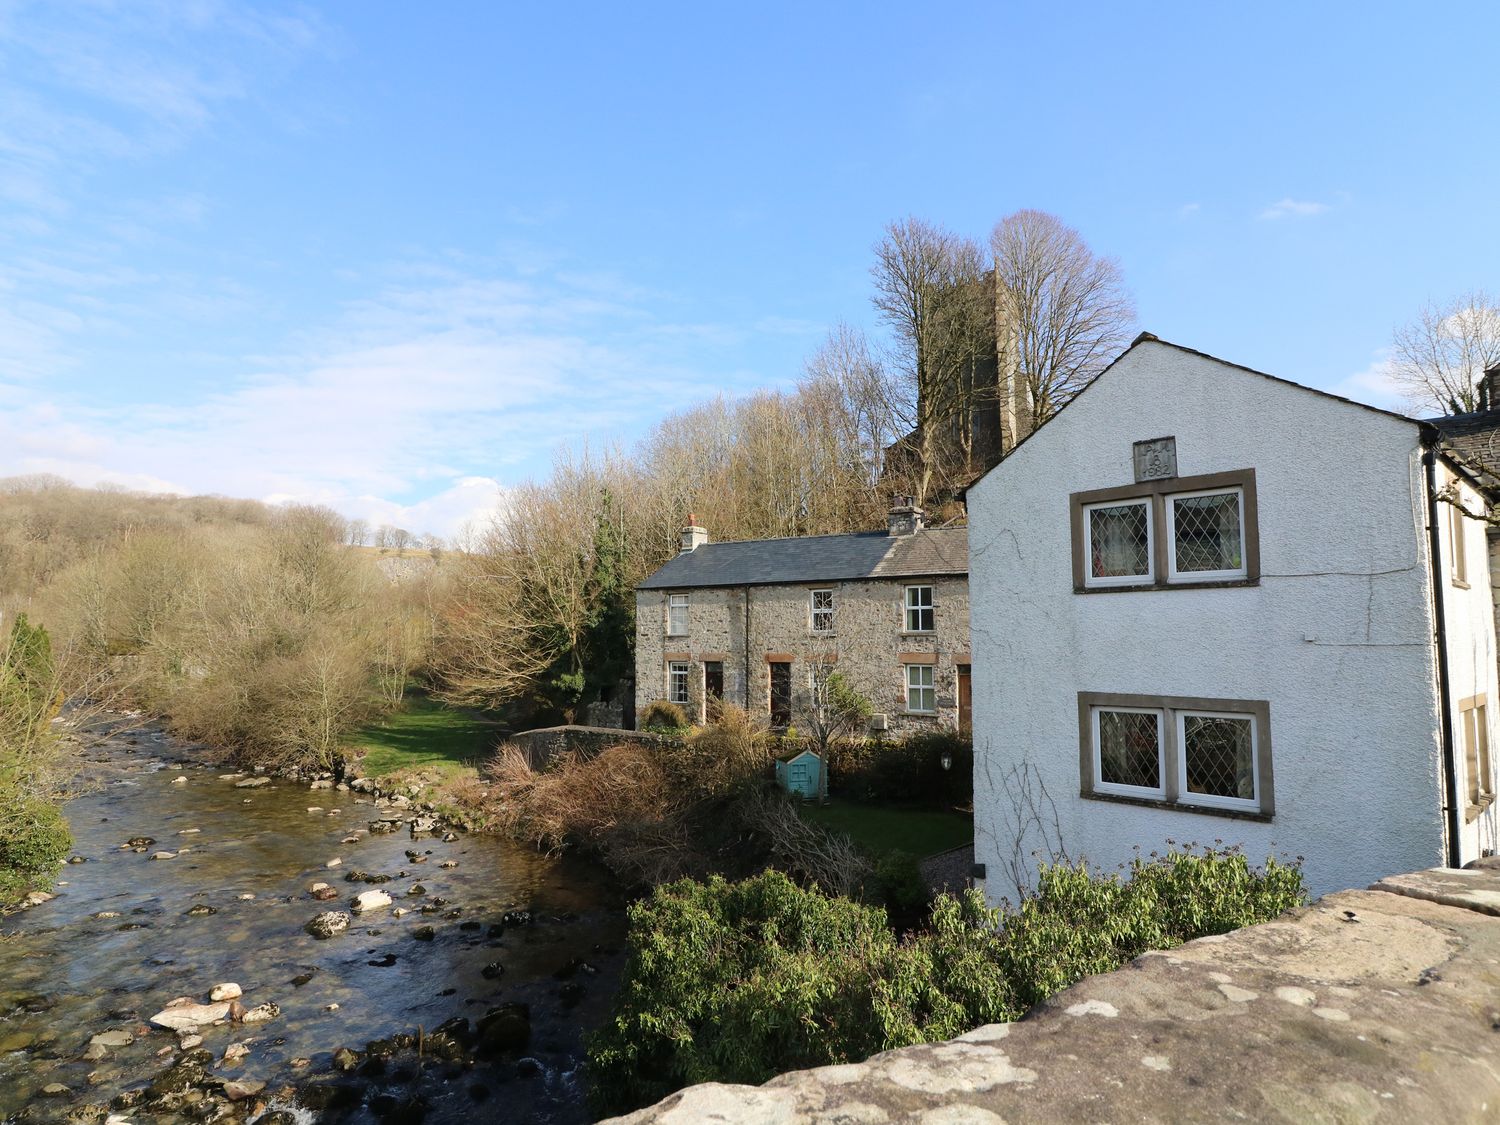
(930, 686)
(910, 608)
(1458, 565)
(676, 668)
(1158, 793)
(1478, 765)
(814, 611)
(1147, 579)
(1210, 800)
(677, 602)
(1169, 501)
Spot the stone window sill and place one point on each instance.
(1473, 811)
(925, 633)
(1175, 806)
(1149, 587)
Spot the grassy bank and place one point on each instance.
(882, 829)
(424, 734)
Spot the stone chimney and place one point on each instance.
(693, 536)
(905, 517)
(1489, 388)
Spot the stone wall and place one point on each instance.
(1369, 1006)
(543, 745)
(867, 644)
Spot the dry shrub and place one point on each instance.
(622, 804)
(806, 850)
(721, 759)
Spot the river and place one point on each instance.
(127, 934)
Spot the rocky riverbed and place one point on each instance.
(231, 947)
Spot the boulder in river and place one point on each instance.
(163, 855)
(252, 783)
(237, 1090)
(226, 991)
(370, 900)
(261, 1013)
(188, 1015)
(328, 924)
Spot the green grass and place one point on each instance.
(880, 829)
(424, 734)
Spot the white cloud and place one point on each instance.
(407, 409)
(1293, 208)
(1375, 384)
(1188, 210)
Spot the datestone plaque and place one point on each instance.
(1155, 459)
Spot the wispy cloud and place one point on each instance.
(1374, 384)
(1289, 208)
(408, 408)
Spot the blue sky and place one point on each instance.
(390, 257)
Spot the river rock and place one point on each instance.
(163, 855)
(506, 1028)
(139, 842)
(370, 900)
(189, 1041)
(238, 1091)
(105, 914)
(179, 781)
(322, 783)
(55, 1090)
(187, 1015)
(422, 826)
(448, 864)
(379, 826)
(226, 991)
(77, 859)
(424, 933)
(261, 1013)
(252, 783)
(449, 837)
(115, 1038)
(400, 912)
(314, 808)
(201, 910)
(323, 892)
(234, 1053)
(328, 924)
(36, 898)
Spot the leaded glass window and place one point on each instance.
(1129, 747)
(1208, 534)
(1119, 539)
(1218, 757)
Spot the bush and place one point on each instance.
(663, 718)
(34, 839)
(737, 982)
(910, 769)
(901, 884)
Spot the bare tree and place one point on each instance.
(929, 289)
(1062, 313)
(1439, 358)
(358, 533)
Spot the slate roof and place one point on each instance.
(1475, 438)
(817, 558)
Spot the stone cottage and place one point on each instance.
(755, 623)
(1211, 604)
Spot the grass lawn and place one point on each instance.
(890, 828)
(424, 734)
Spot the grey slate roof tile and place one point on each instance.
(817, 558)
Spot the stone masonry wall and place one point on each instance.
(867, 644)
(1368, 1006)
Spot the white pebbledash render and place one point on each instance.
(1205, 608)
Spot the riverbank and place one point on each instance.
(472, 985)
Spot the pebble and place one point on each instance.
(115, 1038)
(330, 1007)
(188, 831)
(449, 863)
(370, 900)
(246, 897)
(261, 1013)
(328, 924)
(226, 991)
(314, 808)
(179, 781)
(163, 855)
(252, 783)
(188, 1042)
(234, 1053)
(55, 1090)
(334, 862)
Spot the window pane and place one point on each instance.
(1130, 749)
(1118, 541)
(921, 695)
(919, 609)
(1207, 530)
(781, 694)
(677, 613)
(1219, 757)
(822, 611)
(679, 684)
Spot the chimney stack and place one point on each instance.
(905, 517)
(1489, 388)
(693, 536)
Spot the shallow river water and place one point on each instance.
(121, 940)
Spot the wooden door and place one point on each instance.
(965, 699)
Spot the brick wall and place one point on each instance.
(868, 644)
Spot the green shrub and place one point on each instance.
(909, 769)
(34, 839)
(901, 883)
(737, 982)
(663, 718)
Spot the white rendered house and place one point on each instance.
(1211, 605)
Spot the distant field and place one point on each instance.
(879, 829)
(425, 733)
